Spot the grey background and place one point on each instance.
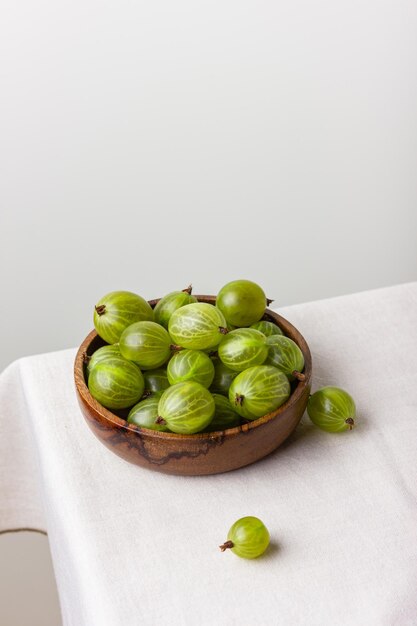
(145, 146)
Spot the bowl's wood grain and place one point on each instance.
(206, 453)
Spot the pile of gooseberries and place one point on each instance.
(188, 367)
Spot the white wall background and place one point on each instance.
(146, 145)
(149, 144)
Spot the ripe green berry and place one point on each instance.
(116, 311)
(258, 391)
(191, 365)
(186, 408)
(116, 383)
(267, 328)
(146, 343)
(223, 378)
(102, 354)
(198, 326)
(332, 409)
(284, 354)
(224, 416)
(145, 413)
(170, 303)
(156, 381)
(243, 348)
(242, 302)
(247, 538)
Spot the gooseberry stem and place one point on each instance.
(160, 420)
(351, 422)
(101, 309)
(86, 358)
(268, 301)
(223, 330)
(146, 394)
(239, 399)
(188, 290)
(299, 376)
(175, 348)
(226, 545)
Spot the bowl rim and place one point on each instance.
(115, 421)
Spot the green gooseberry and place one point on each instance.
(197, 326)
(332, 409)
(243, 348)
(156, 380)
(145, 413)
(247, 538)
(242, 302)
(116, 311)
(224, 415)
(190, 365)
(186, 408)
(146, 343)
(101, 355)
(170, 303)
(259, 390)
(116, 383)
(223, 377)
(284, 354)
(267, 328)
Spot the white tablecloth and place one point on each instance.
(131, 546)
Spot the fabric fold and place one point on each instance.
(20, 486)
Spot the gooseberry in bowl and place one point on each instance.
(223, 377)
(201, 453)
(170, 303)
(190, 365)
(116, 311)
(116, 383)
(242, 302)
(145, 414)
(156, 380)
(225, 416)
(284, 354)
(243, 348)
(197, 326)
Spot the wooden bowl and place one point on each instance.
(203, 453)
